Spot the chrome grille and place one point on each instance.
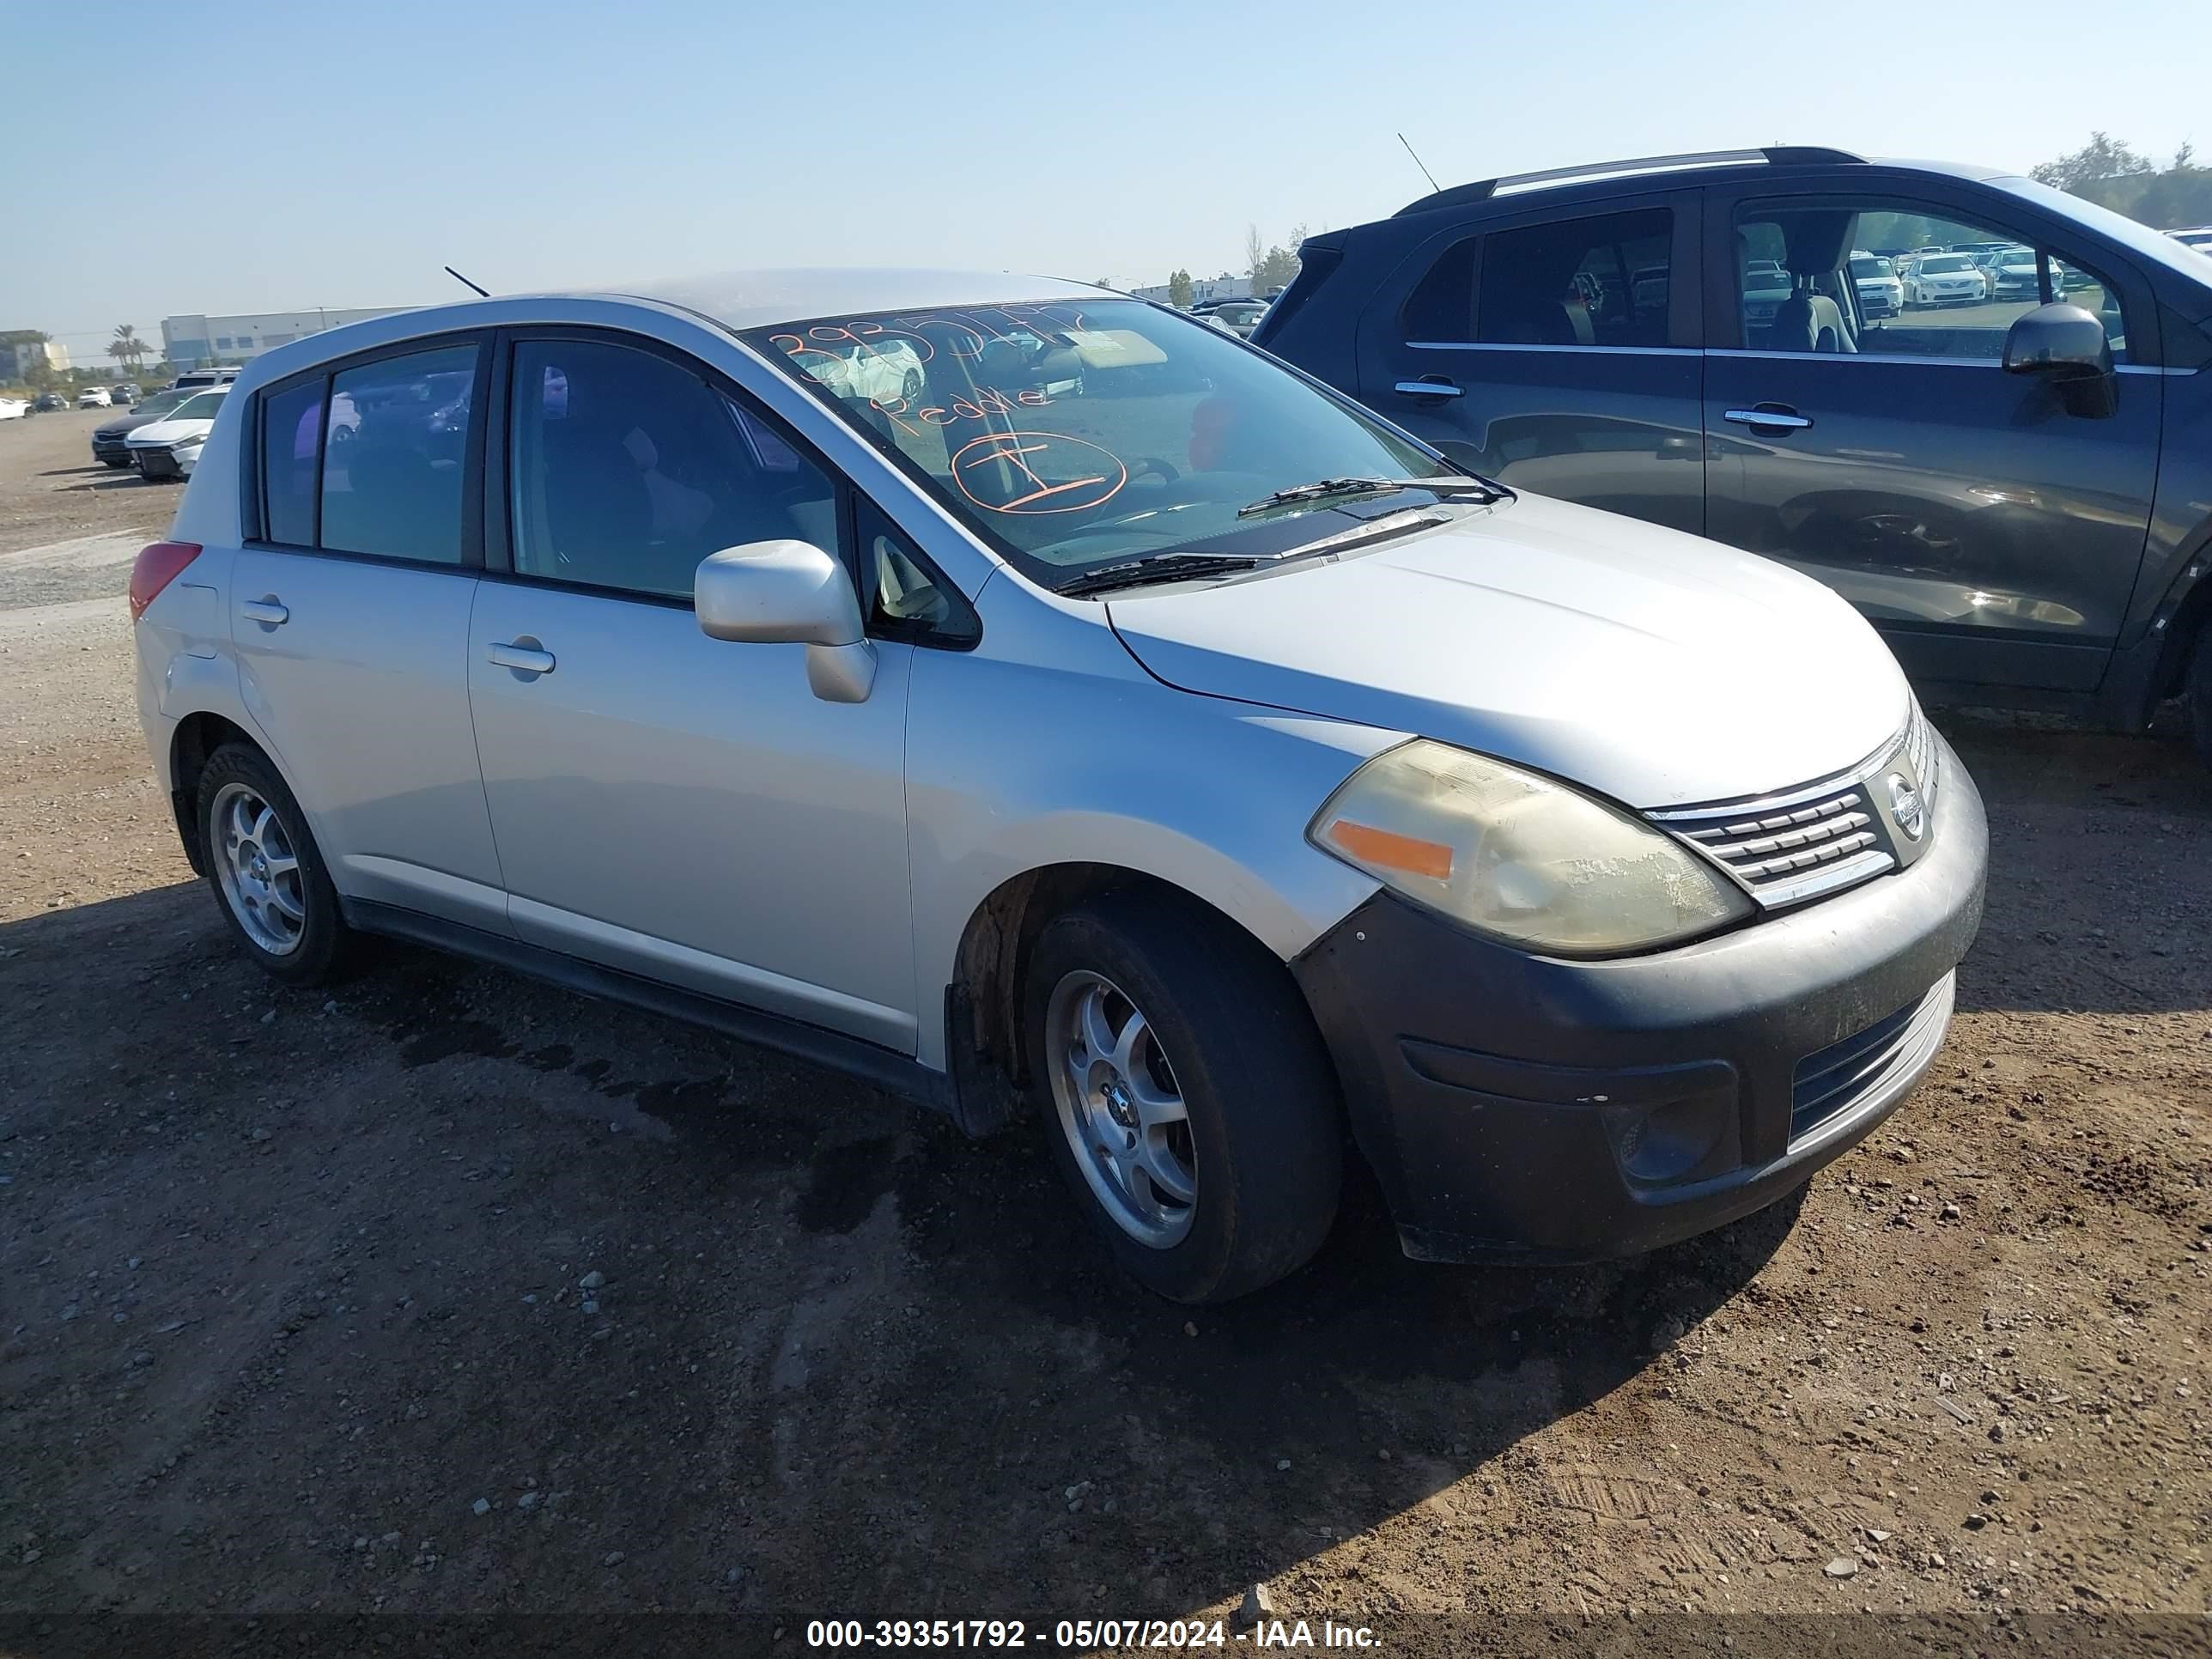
(1807, 842)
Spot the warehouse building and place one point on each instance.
(199, 340)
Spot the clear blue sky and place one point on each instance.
(337, 155)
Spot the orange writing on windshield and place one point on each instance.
(1035, 469)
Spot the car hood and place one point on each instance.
(130, 422)
(170, 431)
(1658, 668)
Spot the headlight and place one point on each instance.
(1515, 855)
(184, 444)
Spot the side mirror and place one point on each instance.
(789, 593)
(2066, 346)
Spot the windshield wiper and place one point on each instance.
(1322, 488)
(1156, 568)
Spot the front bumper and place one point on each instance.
(1527, 1108)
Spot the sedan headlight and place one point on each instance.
(1521, 857)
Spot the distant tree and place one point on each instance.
(2101, 158)
(2113, 175)
(1273, 267)
(1180, 289)
(126, 348)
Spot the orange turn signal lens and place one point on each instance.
(1416, 857)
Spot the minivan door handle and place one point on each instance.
(267, 611)
(1429, 386)
(1768, 417)
(523, 656)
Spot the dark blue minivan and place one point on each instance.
(2011, 480)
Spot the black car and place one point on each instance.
(47, 402)
(2013, 491)
(107, 438)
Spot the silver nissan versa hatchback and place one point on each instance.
(1094, 712)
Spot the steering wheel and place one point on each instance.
(1152, 465)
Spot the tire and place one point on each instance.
(1228, 1037)
(274, 889)
(2196, 694)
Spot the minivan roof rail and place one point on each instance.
(1771, 155)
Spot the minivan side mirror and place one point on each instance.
(791, 593)
(2066, 347)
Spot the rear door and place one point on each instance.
(1557, 351)
(351, 614)
(1993, 537)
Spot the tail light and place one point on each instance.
(157, 567)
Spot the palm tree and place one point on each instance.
(127, 347)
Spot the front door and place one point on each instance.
(350, 617)
(1991, 535)
(1556, 355)
(674, 805)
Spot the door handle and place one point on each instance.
(1776, 417)
(266, 611)
(1439, 387)
(525, 656)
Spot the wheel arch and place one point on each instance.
(986, 1043)
(197, 736)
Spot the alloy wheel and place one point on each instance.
(1121, 1109)
(258, 869)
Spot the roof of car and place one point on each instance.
(753, 299)
(1605, 177)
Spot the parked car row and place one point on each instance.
(160, 438)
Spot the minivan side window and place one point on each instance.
(1602, 280)
(395, 457)
(627, 469)
(1900, 279)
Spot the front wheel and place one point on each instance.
(2196, 694)
(267, 872)
(1186, 1095)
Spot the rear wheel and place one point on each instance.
(1186, 1096)
(267, 872)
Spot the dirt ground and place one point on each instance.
(448, 1291)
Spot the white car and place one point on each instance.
(2197, 236)
(882, 370)
(13, 409)
(93, 397)
(1880, 293)
(2014, 273)
(170, 447)
(1949, 279)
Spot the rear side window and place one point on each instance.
(1442, 307)
(395, 458)
(291, 436)
(1599, 281)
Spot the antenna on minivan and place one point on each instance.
(482, 293)
(1418, 162)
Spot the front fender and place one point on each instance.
(1016, 765)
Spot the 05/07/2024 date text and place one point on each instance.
(1088, 1635)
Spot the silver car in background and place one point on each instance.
(1117, 723)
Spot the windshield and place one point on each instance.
(1945, 262)
(162, 402)
(200, 406)
(1074, 435)
(1870, 268)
